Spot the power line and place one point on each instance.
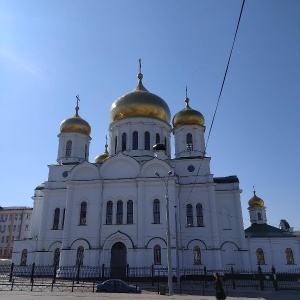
(219, 97)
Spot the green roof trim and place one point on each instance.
(227, 179)
(265, 230)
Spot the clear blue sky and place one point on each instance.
(50, 51)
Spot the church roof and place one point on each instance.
(227, 179)
(265, 230)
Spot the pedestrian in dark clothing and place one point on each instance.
(220, 293)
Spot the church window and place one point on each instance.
(119, 212)
(79, 257)
(83, 209)
(157, 138)
(166, 142)
(197, 255)
(135, 140)
(86, 152)
(63, 219)
(69, 149)
(189, 215)
(199, 212)
(56, 257)
(189, 142)
(56, 218)
(0, 252)
(129, 212)
(124, 141)
(260, 256)
(157, 254)
(116, 144)
(289, 256)
(147, 140)
(156, 211)
(259, 216)
(109, 208)
(24, 257)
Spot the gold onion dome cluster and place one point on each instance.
(75, 124)
(140, 103)
(256, 201)
(188, 116)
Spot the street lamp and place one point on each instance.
(170, 280)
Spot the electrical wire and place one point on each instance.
(219, 97)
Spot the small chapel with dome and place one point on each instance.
(112, 210)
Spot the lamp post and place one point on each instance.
(170, 280)
(177, 247)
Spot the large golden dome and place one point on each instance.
(75, 124)
(188, 116)
(140, 103)
(256, 201)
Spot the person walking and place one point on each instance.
(220, 293)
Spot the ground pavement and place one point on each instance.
(239, 295)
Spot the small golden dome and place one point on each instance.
(188, 116)
(75, 124)
(256, 201)
(100, 159)
(140, 103)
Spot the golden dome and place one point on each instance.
(188, 116)
(140, 103)
(256, 201)
(75, 124)
(100, 159)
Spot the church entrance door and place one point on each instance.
(118, 260)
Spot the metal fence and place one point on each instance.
(85, 278)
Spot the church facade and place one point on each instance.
(117, 209)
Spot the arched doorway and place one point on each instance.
(118, 261)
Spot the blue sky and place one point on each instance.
(50, 51)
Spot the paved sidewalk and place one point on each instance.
(240, 295)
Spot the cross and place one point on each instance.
(77, 99)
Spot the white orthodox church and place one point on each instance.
(112, 210)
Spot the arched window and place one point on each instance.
(83, 209)
(199, 212)
(129, 212)
(63, 219)
(157, 138)
(24, 257)
(119, 212)
(124, 141)
(109, 210)
(156, 211)
(157, 254)
(189, 142)
(116, 144)
(79, 257)
(189, 215)
(289, 256)
(86, 152)
(259, 216)
(56, 257)
(69, 148)
(166, 142)
(135, 140)
(56, 218)
(147, 140)
(260, 256)
(197, 255)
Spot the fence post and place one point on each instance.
(205, 278)
(261, 279)
(103, 266)
(11, 272)
(233, 276)
(32, 272)
(275, 283)
(152, 274)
